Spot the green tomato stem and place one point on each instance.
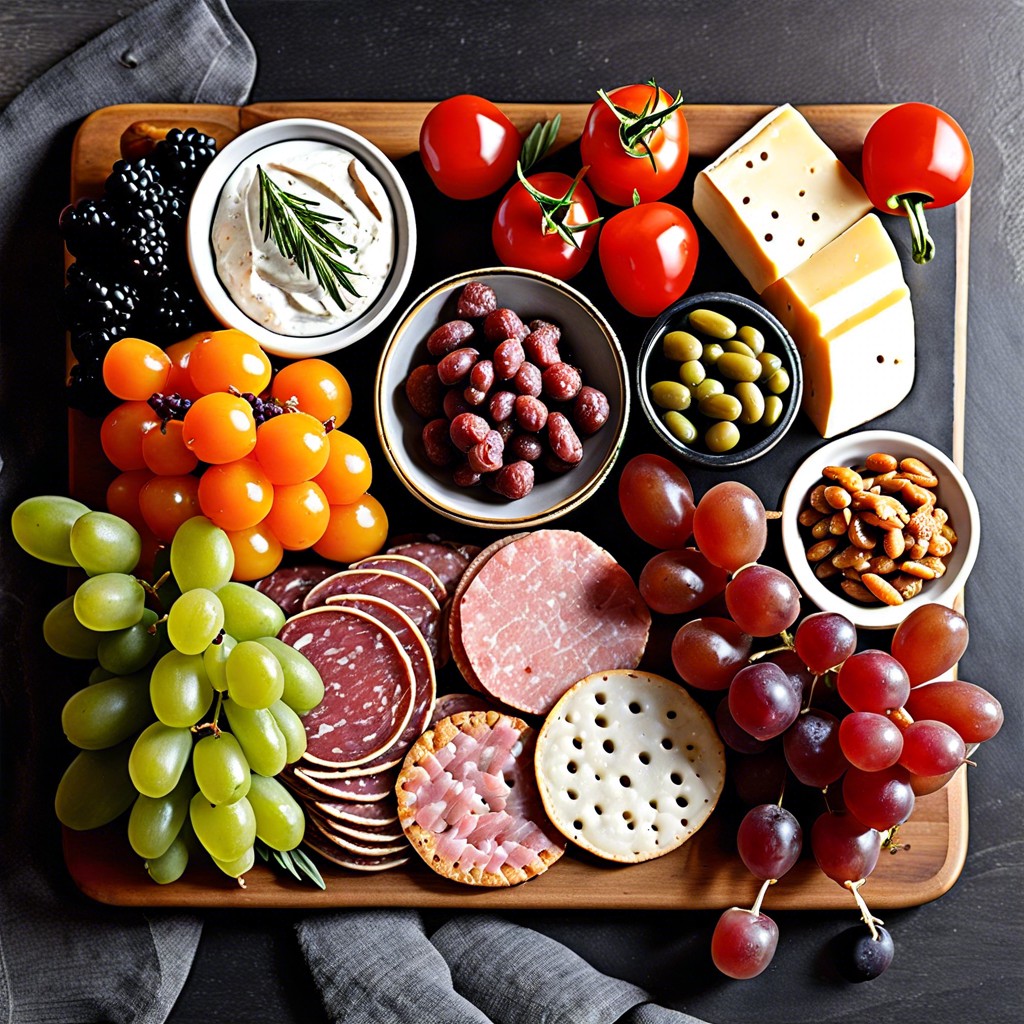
(922, 245)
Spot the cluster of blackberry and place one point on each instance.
(131, 275)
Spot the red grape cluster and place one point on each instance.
(874, 736)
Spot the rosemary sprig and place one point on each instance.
(540, 139)
(299, 232)
(295, 862)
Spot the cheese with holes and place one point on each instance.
(848, 309)
(776, 196)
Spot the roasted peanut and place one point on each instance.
(893, 543)
(883, 565)
(809, 516)
(818, 500)
(840, 522)
(860, 534)
(845, 476)
(820, 529)
(838, 497)
(824, 548)
(881, 462)
(852, 557)
(917, 569)
(881, 589)
(857, 591)
(918, 468)
(936, 564)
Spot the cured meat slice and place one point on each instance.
(452, 703)
(542, 612)
(382, 813)
(320, 844)
(357, 790)
(352, 846)
(405, 594)
(362, 835)
(447, 563)
(369, 685)
(405, 565)
(288, 587)
(477, 818)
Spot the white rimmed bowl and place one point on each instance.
(588, 342)
(954, 495)
(204, 206)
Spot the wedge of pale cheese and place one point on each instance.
(776, 196)
(848, 309)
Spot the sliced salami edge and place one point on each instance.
(309, 788)
(376, 850)
(321, 845)
(406, 565)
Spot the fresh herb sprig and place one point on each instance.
(299, 231)
(537, 143)
(555, 209)
(295, 862)
(636, 128)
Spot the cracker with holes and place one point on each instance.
(629, 766)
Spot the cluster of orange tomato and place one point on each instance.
(205, 427)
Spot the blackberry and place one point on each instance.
(145, 245)
(99, 300)
(169, 407)
(86, 391)
(173, 312)
(183, 155)
(89, 345)
(131, 181)
(89, 229)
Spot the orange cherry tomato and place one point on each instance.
(123, 496)
(167, 501)
(179, 380)
(229, 359)
(235, 495)
(316, 387)
(354, 531)
(299, 515)
(135, 369)
(257, 552)
(348, 472)
(122, 431)
(220, 428)
(292, 447)
(165, 451)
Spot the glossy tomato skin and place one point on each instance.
(468, 146)
(613, 172)
(519, 233)
(648, 255)
(916, 148)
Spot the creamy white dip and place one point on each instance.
(267, 286)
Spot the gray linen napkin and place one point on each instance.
(63, 959)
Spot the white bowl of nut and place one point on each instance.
(878, 522)
(501, 398)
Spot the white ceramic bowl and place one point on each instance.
(587, 341)
(954, 495)
(204, 206)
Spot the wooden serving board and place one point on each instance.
(706, 872)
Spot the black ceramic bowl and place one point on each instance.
(654, 366)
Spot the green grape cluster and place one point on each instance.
(193, 706)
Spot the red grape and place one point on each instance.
(763, 701)
(759, 778)
(929, 641)
(762, 601)
(769, 840)
(730, 526)
(970, 709)
(677, 582)
(845, 849)
(707, 652)
(922, 785)
(932, 748)
(825, 640)
(873, 681)
(811, 746)
(657, 501)
(879, 799)
(864, 956)
(870, 742)
(732, 735)
(743, 943)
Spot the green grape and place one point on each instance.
(215, 659)
(179, 689)
(101, 542)
(280, 822)
(98, 674)
(110, 601)
(303, 687)
(127, 650)
(42, 526)
(248, 614)
(171, 864)
(260, 737)
(64, 634)
(221, 769)
(237, 867)
(292, 729)
(225, 830)
(95, 788)
(194, 620)
(155, 822)
(107, 713)
(255, 676)
(158, 758)
(201, 555)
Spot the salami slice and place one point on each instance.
(447, 563)
(381, 814)
(405, 565)
(369, 685)
(288, 587)
(352, 846)
(468, 801)
(371, 836)
(542, 612)
(357, 790)
(320, 844)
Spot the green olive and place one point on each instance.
(669, 394)
(772, 410)
(708, 386)
(770, 363)
(778, 382)
(740, 348)
(681, 346)
(680, 427)
(712, 352)
(737, 367)
(752, 400)
(692, 372)
(710, 322)
(721, 407)
(722, 436)
(752, 337)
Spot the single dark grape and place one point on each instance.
(769, 841)
(811, 746)
(763, 701)
(862, 957)
(732, 735)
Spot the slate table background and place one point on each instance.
(959, 957)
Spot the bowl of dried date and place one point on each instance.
(502, 398)
(876, 523)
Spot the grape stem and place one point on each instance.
(756, 908)
(866, 916)
(212, 724)
(153, 589)
(810, 693)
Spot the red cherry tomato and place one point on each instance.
(468, 146)
(648, 254)
(915, 157)
(546, 222)
(642, 144)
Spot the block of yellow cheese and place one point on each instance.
(776, 196)
(848, 309)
